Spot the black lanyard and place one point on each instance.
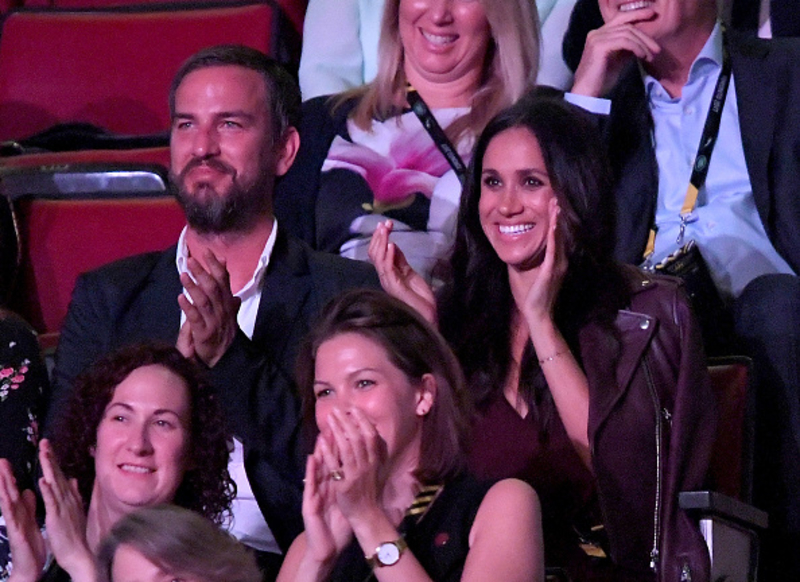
(420, 108)
(703, 157)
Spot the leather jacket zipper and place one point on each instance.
(654, 553)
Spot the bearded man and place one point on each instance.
(236, 293)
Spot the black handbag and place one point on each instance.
(714, 316)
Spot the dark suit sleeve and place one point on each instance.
(274, 460)
(84, 337)
(274, 456)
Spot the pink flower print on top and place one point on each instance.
(10, 379)
(398, 160)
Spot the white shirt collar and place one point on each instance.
(254, 284)
(707, 61)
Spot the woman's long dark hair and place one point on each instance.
(476, 308)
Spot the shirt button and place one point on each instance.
(688, 111)
(644, 324)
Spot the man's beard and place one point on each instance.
(210, 212)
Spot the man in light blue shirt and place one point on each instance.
(658, 62)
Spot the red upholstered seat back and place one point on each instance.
(295, 10)
(63, 238)
(112, 68)
(159, 155)
(732, 456)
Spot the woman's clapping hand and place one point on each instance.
(541, 299)
(326, 529)
(397, 277)
(65, 517)
(28, 549)
(357, 454)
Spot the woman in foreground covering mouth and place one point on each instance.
(386, 495)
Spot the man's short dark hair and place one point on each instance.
(283, 93)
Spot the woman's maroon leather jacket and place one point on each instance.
(652, 421)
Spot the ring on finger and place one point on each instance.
(337, 475)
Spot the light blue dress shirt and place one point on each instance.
(726, 223)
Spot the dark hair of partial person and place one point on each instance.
(416, 349)
(181, 543)
(283, 92)
(206, 487)
(476, 306)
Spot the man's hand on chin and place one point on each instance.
(609, 48)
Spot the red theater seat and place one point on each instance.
(134, 156)
(63, 238)
(111, 67)
(295, 10)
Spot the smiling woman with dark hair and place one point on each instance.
(589, 378)
(142, 428)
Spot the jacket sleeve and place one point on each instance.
(84, 337)
(690, 416)
(296, 192)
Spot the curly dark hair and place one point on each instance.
(206, 487)
(476, 307)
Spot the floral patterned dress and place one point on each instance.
(395, 171)
(23, 384)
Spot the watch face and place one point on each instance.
(388, 554)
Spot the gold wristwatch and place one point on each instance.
(388, 553)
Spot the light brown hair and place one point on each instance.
(180, 542)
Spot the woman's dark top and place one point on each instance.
(439, 539)
(23, 383)
(55, 573)
(503, 445)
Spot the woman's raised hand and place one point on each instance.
(65, 518)
(28, 549)
(542, 296)
(397, 277)
(326, 529)
(355, 461)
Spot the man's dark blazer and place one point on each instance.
(767, 80)
(135, 299)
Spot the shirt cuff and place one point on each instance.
(591, 104)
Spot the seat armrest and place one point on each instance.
(715, 504)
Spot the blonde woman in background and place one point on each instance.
(365, 157)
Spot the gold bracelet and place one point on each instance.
(543, 361)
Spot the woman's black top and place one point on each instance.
(439, 539)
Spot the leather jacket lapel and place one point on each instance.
(598, 347)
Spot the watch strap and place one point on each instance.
(399, 543)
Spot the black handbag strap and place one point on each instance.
(423, 112)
